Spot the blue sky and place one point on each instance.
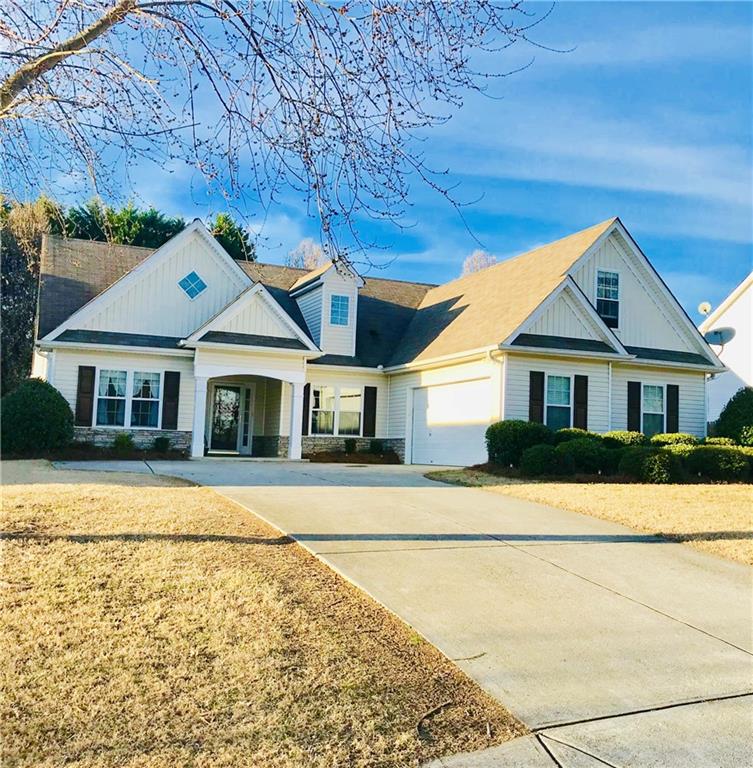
(648, 118)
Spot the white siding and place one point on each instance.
(68, 361)
(646, 319)
(155, 303)
(256, 318)
(564, 318)
(517, 385)
(339, 339)
(272, 407)
(333, 378)
(310, 305)
(213, 362)
(39, 366)
(692, 394)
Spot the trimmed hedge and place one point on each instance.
(583, 455)
(651, 465)
(736, 416)
(506, 440)
(718, 463)
(35, 418)
(620, 438)
(573, 433)
(728, 441)
(674, 438)
(540, 460)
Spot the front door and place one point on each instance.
(225, 418)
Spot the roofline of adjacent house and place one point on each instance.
(726, 304)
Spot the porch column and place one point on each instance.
(199, 416)
(296, 419)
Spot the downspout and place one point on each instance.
(503, 376)
(609, 399)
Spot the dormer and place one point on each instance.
(328, 300)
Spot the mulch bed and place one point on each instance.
(340, 457)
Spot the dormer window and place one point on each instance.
(192, 284)
(608, 297)
(338, 310)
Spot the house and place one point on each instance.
(246, 358)
(735, 312)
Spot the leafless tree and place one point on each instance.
(306, 255)
(322, 97)
(477, 261)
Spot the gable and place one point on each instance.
(257, 318)
(149, 299)
(564, 317)
(647, 318)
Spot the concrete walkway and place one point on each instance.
(616, 648)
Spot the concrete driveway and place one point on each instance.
(614, 647)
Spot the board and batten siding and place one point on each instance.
(256, 318)
(155, 303)
(315, 375)
(645, 320)
(401, 386)
(692, 394)
(517, 385)
(66, 374)
(563, 318)
(310, 305)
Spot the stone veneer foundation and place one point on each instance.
(142, 438)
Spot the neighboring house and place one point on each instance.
(233, 357)
(736, 311)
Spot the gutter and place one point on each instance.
(433, 362)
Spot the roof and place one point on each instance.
(668, 355)
(84, 336)
(710, 321)
(484, 308)
(543, 341)
(252, 340)
(309, 277)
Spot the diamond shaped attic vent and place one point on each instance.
(192, 284)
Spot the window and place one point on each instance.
(111, 398)
(653, 409)
(558, 402)
(607, 297)
(338, 310)
(349, 422)
(323, 411)
(192, 284)
(145, 400)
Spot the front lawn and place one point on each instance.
(147, 622)
(713, 517)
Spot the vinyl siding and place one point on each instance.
(334, 378)
(339, 339)
(156, 304)
(517, 385)
(692, 394)
(256, 318)
(310, 305)
(563, 318)
(68, 361)
(230, 362)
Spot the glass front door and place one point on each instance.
(225, 418)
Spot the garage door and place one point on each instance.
(449, 423)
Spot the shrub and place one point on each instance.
(681, 450)
(583, 455)
(123, 442)
(506, 440)
(376, 446)
(746, 436)
(620, 438)
(350, 444)
(651, 465)
(736, 416)
(161, 444)
(35, 417)
(540, 460)
(718, 463)
(674, 438)
(612, 458)
(563, 435)
(728, 441)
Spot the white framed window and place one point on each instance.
(322, 410)
(192, 285)
(145, 399)
(349, 412)
(111, 398)
(339, 307)
(652, 409)
(608, 297)
(558, 402)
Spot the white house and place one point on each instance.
(736, 312)
(248, 358)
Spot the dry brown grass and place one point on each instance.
(714, 518)
(151, 623)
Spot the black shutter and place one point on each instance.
(85, 396)
(536, 396)
(170, 397)
(369, 411)
(673, 408)
(580, 412)
(634, 406)
(306, 401)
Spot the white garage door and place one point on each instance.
(449, 423)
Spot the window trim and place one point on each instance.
(618, 300)
(347, 313)
(655, 413)
(185, 292)
(335, 405)
(571, 406)
(129, 372)
(336, 421)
